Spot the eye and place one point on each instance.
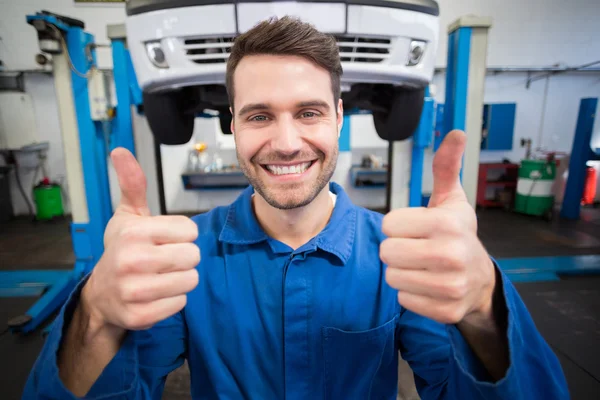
(309, 114)
(258, 118)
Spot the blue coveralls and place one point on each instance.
(319, 322)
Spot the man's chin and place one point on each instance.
(287, 201)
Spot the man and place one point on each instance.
(299, 294)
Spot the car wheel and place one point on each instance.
(225, 122)
(402, 119)
(167, 118)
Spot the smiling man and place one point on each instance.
(299, 294)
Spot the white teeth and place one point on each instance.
(290, 169)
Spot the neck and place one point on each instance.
(297, 226)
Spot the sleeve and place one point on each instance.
(445, 366)
(138, 370)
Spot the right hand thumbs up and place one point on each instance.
(149, 263)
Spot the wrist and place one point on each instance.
(483, 313)
(95, 326)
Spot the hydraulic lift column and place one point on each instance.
(465, 81)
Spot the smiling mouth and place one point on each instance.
(294, 169)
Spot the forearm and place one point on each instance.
(486, 334)
(86, 350)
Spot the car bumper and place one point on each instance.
(183, 32)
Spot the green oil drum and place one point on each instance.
(48, 201)
(534, 188)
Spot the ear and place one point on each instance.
(340, 116)
(232, 118)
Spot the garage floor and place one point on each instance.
(566, 312)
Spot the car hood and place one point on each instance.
(135, 7)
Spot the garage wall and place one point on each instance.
(525, 33)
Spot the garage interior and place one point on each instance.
(537, 112)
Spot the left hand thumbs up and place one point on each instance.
(433, 255)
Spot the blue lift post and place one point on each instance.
(87, 237)
(127, 90)
(581, 153)
(421, 140)
(457, 80)
(465, 81)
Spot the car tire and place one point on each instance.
(225, 122)
(166, 115)
(403, 117)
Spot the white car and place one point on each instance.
(179, 49)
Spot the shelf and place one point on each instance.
(228, 179)
(368, 178)
(498, 166)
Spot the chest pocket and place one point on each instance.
(360, 364)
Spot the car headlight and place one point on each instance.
(417, 49)
(156, 54)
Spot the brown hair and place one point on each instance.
(287, 36)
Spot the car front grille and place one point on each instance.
(358, 49)
(361, 49)
(213, 50)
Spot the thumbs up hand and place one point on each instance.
(148, 264)
(433, 255)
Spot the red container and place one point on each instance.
(589, 190)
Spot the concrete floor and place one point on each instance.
(574, 336)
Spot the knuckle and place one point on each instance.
(386, 224)
(452, 256)
(122, 260)
(188, 226)
(457, 289)
(386, 252)
(132, 293)
(193, 279)
(193, 230)
(128, 261)
(390, 277)
(454, 260)
(131, 231)
(437, 257)
(194, 252)
(179, 303)
(182, 302)
(401, 300)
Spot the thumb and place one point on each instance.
(446, 167)
(132, 181)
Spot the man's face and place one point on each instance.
(286, 128)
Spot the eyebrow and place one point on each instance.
(248, 108)
(313, 103)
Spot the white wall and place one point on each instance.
(19, 40)
(531, 32)
(525, 33)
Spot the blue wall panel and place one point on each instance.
(499, 121)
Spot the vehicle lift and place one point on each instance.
(582, 151)
(85, 119)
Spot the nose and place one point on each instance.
(287, 137)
